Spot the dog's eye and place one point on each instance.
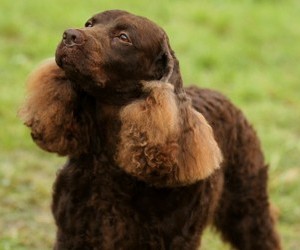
(88, 24)
(124, 38)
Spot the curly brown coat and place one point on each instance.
(145, 168)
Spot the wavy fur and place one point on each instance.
(51, 112)
(164, 140)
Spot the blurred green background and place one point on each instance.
(249, 50)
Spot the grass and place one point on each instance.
(249, 50)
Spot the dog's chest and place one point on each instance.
(90, 200)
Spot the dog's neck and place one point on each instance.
(117, 93)
(108, 125)
(112, 96)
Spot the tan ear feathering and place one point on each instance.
(165, 141)
(39, 85)
(49, 111)
(200, 154)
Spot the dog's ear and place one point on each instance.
(165, 141)
(52, 111)
(169, 60)
(169, 64)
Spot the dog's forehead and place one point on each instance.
(125, 18)
(108, 16)
(145, 33)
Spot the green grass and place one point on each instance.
(249, 50)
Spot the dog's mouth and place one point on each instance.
(65, 56)
(61, 56)
(72, 43)
(79, 67)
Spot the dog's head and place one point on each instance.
(116, 50)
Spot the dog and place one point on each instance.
(150, 163)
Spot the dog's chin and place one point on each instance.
(65, 57)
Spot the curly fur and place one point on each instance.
(150, 163)
(173, 146)
(52, 112)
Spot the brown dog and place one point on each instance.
(145, 170)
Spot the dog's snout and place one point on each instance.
(72, 37)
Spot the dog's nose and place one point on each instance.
(72, 37)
